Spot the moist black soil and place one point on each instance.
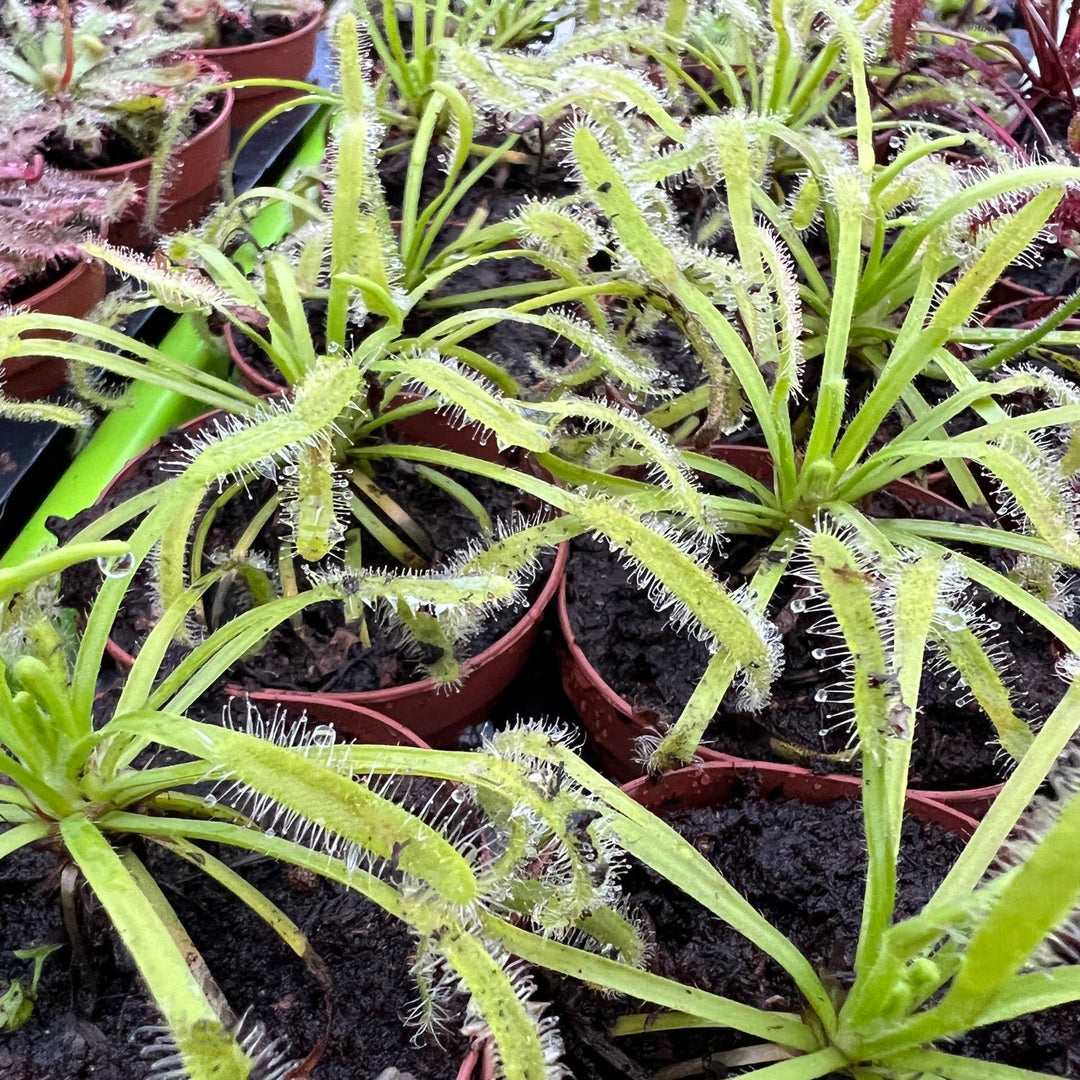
(655, 669)
(326, 654)
(88, 1011)
(803, 868)
(233, 33)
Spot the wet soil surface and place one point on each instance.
(803, 868)
(656, 669)
(326, 654)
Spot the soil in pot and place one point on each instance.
(87, 1012)
(803, 868)
(655, 670)
(327, 656)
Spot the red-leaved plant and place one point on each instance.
(45, 215)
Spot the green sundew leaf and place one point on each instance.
(289, 330)
(659, 452)
(636, 371)
(1037, 898)
(610, 927)
(207, 1050)
(591, 81)
(845, 579)
(938, 1065)
(316, 528)
(783, 1028)
(697, 599)
(513, 423)
(700, 320)
(320, 794)
(485, 77)
(324, 394)
(17, 578)
(513, 1024)
(436, 634)
(519, 547)
(679, 744)
(1010, 240)
(973, 663)
(559, 233)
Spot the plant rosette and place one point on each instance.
(75, 292)
(434, 712)
(192, 183)
(615, 725)
(763, 789)
(289, 56)
(286, 985)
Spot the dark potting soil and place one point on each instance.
(87, 1014)
(327, 654)
(656, 669)
(803, 868)
(233, 33)
(118, 150)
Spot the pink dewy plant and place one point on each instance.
(45, 215)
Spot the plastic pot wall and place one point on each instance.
(290, 56)
(27, 378)
(194, 182)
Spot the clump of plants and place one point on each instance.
(317, 447)
(87, 85)
(283, 789)
(226, 22)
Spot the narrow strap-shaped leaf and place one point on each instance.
(678, 745)
(936, 1063)
(20, 836)
(208, 1051)
(783, 1028)
(973, 663)
(321, 795)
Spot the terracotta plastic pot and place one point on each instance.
(28, 378)
(614, 726)
(290, 56)
(712, 783)
(433, 712)
(193, 185)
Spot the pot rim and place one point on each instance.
(82, 266)
(794, 782)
